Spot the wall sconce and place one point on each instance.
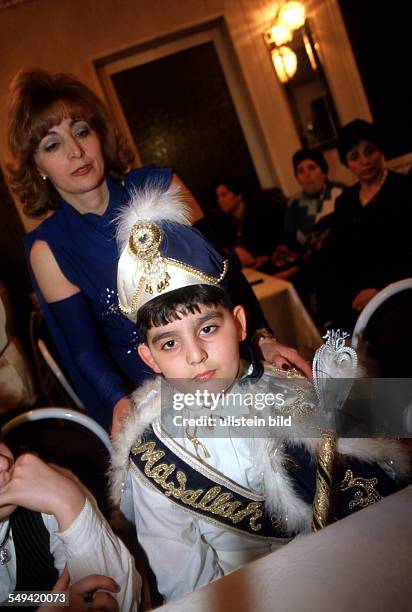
(290, 17)
(285, 62)
(295, 57)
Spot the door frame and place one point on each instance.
(217, 32)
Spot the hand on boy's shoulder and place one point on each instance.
(283, 357)
(120, 412)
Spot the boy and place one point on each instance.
(207, 496)
(47, 522)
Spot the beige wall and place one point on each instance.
(67, 35)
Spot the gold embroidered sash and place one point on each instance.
(224, 503)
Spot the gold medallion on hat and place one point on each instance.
(144, 243)
(144, 240)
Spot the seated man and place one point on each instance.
(206, 492)
(47, 522)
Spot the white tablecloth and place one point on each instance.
(361, 563)
(285, 313)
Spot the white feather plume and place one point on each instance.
(152, 204)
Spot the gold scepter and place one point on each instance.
(332, 360)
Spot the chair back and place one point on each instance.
(383, 331)
(53, 383)
(59, 374)
(67, 438)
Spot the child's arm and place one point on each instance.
(37, 486)
(181, 559)
(90, 547)
(81, 537)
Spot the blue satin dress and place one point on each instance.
(86, 251)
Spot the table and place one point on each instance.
(285, 313)
(361, 563)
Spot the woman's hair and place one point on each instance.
(313, 155)
(353, 133)
(232, 186)
(38, 101)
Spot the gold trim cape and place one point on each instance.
(281, 497)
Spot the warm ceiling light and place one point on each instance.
(279, 34)
(292, 15)
(285, 63)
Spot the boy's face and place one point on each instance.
(6, 471)
(201, 349)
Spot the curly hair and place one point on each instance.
(38, 101)
(352, 133)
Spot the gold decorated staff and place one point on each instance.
(332, 360)
(324, 479)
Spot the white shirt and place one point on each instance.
(186, 552)
(88, 546)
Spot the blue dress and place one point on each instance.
(86, 251)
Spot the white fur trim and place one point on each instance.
(282, 502)
(146, 408)
(151, 204)
(377, 450)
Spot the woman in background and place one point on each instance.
(369, 245)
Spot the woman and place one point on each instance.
(70, 164)
(370, 244)
(307, 219)
(253, 224)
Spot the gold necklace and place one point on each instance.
(197, 444)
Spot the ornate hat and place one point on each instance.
(160, 251)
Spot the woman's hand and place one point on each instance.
(84, 594)
(120, 412)
(37, 486)
(287, 274)
(246, 259)
(363, 298)
(260, 261)
(283, 357)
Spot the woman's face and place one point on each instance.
(227, 200)
(366, 161)
(71, 157)
(310, 177)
